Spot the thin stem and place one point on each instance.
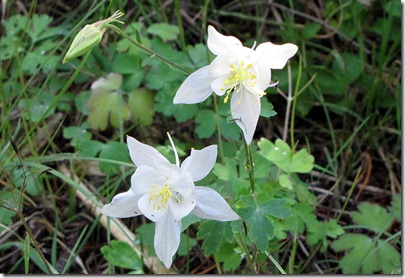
(249, 167)
(147, 50)
(289, 100)
(292, 123)
(177, 10)
(217, 118)
(275, 262)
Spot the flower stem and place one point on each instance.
(217, 118)
(249, 167)
(147, 50)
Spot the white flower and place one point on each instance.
(243, 72)
(165, 193)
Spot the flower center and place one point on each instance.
(160, 195)
(238, 77)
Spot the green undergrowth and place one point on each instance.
(328, 194)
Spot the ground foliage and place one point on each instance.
(343, 215)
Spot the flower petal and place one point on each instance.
(146, 206)
(219, 87)
(276, 56)
(167, 239)
(219, 44)
(200, 162)
(245, 109)
(143, 179)
(196, 88)
(211, 205)
(123, 205)
(142, 154)
(183, 200)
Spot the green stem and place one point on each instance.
(147, 50)
(180, 24)
(217, 118)
(275, 262)
(294, 104)
(249, 167)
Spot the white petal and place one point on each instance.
(142, 154)
(219, 87)
(146, 206)
(222, 65)
(263, 76)
(167, 239)
(219, 44)
(143, 179)
(196, 88)
(200, 162)
(245, 109)
(276, 56)
(183, 201)
(211, 205)
(123, 205)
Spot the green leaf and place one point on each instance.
(213, 232)
(114, 151)
(126, 64)
(277, 208)
(76, 134)
(260, 227)
(141, 103)
(285, 181)
(267, 109)
(354, 261)
(228, 256)
(388, 257)
(166, 31)
(206, 123)
(146, 234)
(226, 172)
(366, 256)
(372, 216)
(106, 103)
(121, 254)
(310, 30)
(281, 155)
(89, 147)
(186, 244)
(38, 25)
(395, 207)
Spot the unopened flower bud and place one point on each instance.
(89, 37)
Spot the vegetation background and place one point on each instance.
(58, 139)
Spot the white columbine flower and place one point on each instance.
(165, 193)
(241, 71)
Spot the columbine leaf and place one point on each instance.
(186, 244)
(114, 151)
(353, 262)
(366, 256)
(141, 103)
(277, 208)
(121, 254)
(395, 207)
(166, 31)
(206, 123)
(228, 256)
(213, 232)
(372, 217)
(267, 109)
(261, 228)
(280, 154)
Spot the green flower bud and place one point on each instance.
(89, 37)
